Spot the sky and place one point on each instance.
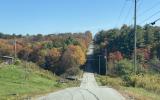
(58, 16)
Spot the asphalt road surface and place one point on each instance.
(88, 90)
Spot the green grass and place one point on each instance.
(20, 81)
(138, 93)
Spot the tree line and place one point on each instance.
(119, 44)
(63, 53)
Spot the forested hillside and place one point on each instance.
(117, 48)
(60, 53)
(119, 44)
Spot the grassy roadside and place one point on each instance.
(131, 93)
(27, 80)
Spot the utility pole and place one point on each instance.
(106, 60)
(27, 39)
(99, 64)
(135, 36)
(15, 49)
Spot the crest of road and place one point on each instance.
(88, 90)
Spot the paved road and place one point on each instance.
(88, 90)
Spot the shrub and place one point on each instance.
(73, 71)
(128, 80)
(123, 67)
(17, 62)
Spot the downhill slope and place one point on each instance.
(18, 81)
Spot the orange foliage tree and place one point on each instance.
(52, 59)
(73, 57)
(6, 48)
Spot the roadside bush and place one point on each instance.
(155, 60)
(123, 67)
(73, 71)
(17, 62)
(128, 80)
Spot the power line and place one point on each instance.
(149, 9)
(122, 9)
(140, 2)
(149, 17)
(131, 18)
(128, 13)
(155, 21)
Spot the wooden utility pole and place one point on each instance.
(15, 49)
(135, 36)
(99, 56)
(106, 60)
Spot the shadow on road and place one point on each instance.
(89, 64)
(92, 65)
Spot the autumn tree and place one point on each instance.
(24, 53)
(73, 58)
(6, 48)
(52, 59)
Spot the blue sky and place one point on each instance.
(54, 16)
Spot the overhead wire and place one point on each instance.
(152, 23)
(122, 9)
(140, 2)
(128, 13)
(150, 17)
(149, 9)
